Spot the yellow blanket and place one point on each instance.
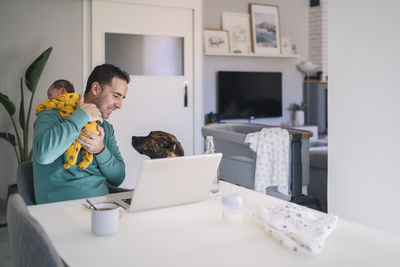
(66, 105)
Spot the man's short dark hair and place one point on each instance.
(103, 74)
(63, 84)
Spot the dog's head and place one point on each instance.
(157, 145)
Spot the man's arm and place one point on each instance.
(109, 159)
(53, 135)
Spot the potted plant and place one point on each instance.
(19, 139)
(297, 113)
(211, 118)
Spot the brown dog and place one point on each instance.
(157, 145)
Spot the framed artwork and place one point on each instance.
(265, 29)
(238, 25)
(216, 41)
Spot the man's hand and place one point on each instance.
(90, 109)
(94, 143)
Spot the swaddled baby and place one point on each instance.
(66, 105)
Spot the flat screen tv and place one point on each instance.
(249, 94)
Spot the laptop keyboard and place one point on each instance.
(127, 200)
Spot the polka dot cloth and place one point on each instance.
(272, 164)
(298, 228)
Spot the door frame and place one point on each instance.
(196, 7)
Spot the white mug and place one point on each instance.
(105, 218)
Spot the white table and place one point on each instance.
(196, 235)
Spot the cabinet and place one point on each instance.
(315, 94)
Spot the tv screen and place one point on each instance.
(249, 94)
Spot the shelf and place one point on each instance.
(250, 55)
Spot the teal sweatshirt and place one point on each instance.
(52, 136)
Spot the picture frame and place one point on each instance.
(238, 25)
(216, 41)
(265, 29)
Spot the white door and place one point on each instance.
(154, 101)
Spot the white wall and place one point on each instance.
(364, 112)
(27, 28)
(294, 24)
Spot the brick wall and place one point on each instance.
(318, 37)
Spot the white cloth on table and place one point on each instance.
(296, 227)
(272, 164)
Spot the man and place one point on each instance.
(105, 90)
(59, 87)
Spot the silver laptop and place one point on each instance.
(170, 181)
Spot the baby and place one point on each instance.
(62, 97)
(59, 87)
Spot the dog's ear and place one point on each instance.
(178, 149)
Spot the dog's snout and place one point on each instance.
(136, 140)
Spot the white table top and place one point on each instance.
(196, 235)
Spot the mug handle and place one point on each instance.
(121, 212)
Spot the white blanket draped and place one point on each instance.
(272, 165)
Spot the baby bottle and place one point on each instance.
(232, 207)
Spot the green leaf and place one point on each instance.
(294, 107)
(9, 137)
(22, 108)
(33, 73)
(8, 105)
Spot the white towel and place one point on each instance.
(296, 227)
(272, 164)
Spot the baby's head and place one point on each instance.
(60, 87)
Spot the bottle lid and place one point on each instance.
(232, 200)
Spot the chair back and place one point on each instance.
(25, 182)
(30, 245)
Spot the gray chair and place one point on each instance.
(30, 245)
(25, 182)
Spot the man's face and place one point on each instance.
(111, 96)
